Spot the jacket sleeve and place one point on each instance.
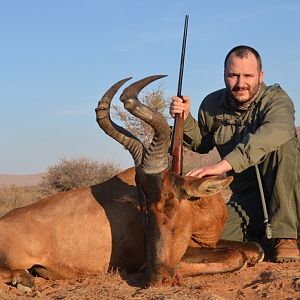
(196, 136)
(276, 128)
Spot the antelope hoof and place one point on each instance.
(22, 279)
(178, 280)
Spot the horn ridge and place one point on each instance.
(133, 90)
(118, 133)
(155, 159)
(113, 90)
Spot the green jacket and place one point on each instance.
(242, 138)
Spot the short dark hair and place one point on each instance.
(241, 52)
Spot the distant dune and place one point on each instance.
(20, 180)
(192, 160)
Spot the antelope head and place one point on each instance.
(166, 196)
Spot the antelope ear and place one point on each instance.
(207, 186)
(129, 198)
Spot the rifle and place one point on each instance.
(177, 132)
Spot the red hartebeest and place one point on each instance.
(145, 217)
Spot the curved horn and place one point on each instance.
(156, 158)
(121, 135)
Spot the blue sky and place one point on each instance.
(59, 56)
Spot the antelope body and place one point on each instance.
(145, 216)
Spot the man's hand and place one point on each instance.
(215, 169)
(179, 105)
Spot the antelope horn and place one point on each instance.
(155, 159)
(121, 135)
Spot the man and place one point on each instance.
(250, 124)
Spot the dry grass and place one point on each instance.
(17, 196)
(74, 173)
(65, 176)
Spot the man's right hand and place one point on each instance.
(180, 105)
(218, 168)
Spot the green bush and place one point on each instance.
(75, 173)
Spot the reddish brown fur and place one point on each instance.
(91, 229)
(73, 233)
(174, 219)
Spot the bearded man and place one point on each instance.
(250, 124)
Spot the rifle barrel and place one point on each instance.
(177, 134)
(186, 22)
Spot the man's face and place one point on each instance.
(242, 77)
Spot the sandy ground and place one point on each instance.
(264, 281)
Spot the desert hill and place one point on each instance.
(20, 180)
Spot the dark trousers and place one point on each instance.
(280, 174)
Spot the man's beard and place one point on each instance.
(244, 103)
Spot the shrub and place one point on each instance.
(75, 173)
(157, 101)
(16, 196)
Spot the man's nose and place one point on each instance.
(240, 81)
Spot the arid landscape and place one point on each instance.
(20, 180)
(266, 280)
(91, 87)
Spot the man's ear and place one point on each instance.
(207, 186)
(261, 76)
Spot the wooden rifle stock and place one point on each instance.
(177, 145)
(177, 133)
